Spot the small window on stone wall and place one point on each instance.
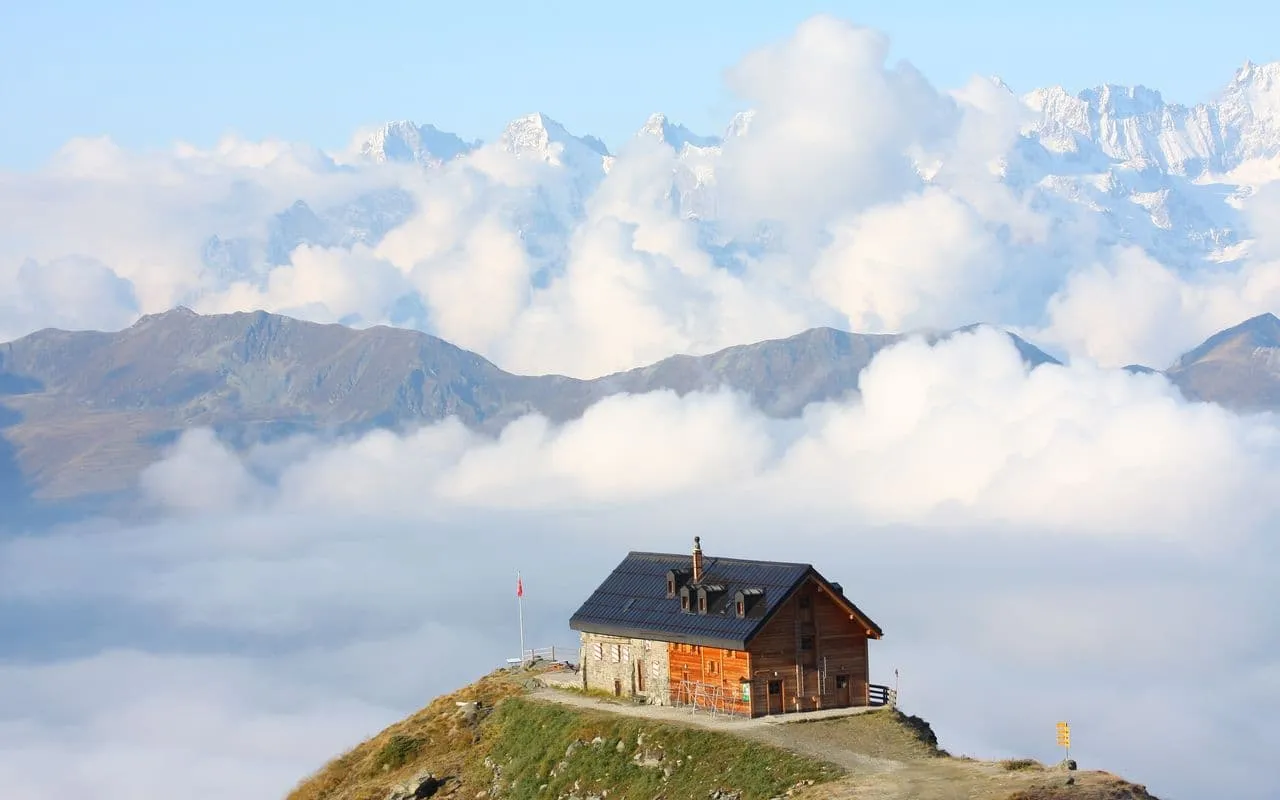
(597, 650)
(616, 653)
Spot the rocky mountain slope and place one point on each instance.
(82, 413)
(86, 411)
(502, 738)
(1238, 367)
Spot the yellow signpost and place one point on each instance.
(1064, 737)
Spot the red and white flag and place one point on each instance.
(519, 586)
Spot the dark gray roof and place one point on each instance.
(633, 600)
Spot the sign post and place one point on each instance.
(1064, 737)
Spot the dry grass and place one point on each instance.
(1088, 786)
(883, 734)
(437, 738)
(1016, 764)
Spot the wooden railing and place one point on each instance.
(881, 695)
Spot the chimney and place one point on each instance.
(697, 560)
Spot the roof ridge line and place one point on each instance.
(723, 558)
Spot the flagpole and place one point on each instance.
(520, 605)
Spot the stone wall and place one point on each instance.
(615, 664)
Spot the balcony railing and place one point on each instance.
(880, 695)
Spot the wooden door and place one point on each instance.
(617, 687)
(775, 697)
(844, 698)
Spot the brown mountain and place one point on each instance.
(1238, 368)
(82, 413)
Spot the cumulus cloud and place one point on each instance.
(1012, 530)
(858, 196)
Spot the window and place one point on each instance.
(684, 601)
(616, 653)
(671, 586)
(712, 668)
(626, 655)
(741, 609)
(702, 603)
(806, 642)
(842, 681)
(597, 650)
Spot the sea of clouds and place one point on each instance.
(1074, 542)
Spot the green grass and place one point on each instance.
(398, 751)
(580, 752)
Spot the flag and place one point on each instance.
(519, 586)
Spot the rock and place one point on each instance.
(622, 746)
(421, 786)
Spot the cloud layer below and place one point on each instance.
(1072, 542)
(1065, 542)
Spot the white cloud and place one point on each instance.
(1035, 544)
(1010, 530)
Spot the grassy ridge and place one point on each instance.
(514, 747)
(544, 750)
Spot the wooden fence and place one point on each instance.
(880, 695)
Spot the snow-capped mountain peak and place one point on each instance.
(403, 141)
(542, 137)
(1134, 126)
(740, 124)
(676, 136)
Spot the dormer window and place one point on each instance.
(684, 599)
(707, 596)
(675, 579)
(745, 600)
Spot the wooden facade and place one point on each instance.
(695, 669)
(743, 637)
(810, 655)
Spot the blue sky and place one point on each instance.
(148, 73)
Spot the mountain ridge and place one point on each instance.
(83, 412)
(89, 409)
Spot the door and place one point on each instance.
(843, 696)
(775, 697)
(617, 687)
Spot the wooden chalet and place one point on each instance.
(743, 637)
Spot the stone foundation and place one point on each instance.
(625, 667)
